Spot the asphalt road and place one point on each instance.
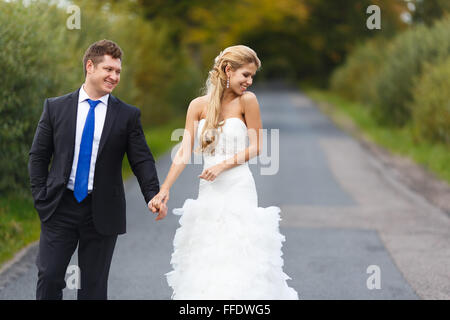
(342, 211)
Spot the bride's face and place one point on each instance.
(241, 78)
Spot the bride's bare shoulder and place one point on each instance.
(249, 96)
(197, 106)
(201, 100)
(249, 101)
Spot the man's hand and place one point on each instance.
(159, 204)
(161, 209)
(162, 212)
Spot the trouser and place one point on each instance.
(71, 225)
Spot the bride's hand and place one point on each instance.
(212, 173)
(159, 203)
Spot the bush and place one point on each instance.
(431, 103)
(355, 79)
(29, 59)
(409, 52)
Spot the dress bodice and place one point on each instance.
(232, 138)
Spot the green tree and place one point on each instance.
(427, 11)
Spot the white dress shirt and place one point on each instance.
(100, 115)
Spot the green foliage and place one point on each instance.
(403, 83)
(431, 104)
(380, 73)
(355, 79)
(429, 10)
(29, 59)
(409, 52)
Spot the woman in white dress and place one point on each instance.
(226, 246)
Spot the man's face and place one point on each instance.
(105, 76)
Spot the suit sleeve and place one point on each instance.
(141, 160)
(41, 153)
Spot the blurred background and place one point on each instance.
(392, 81)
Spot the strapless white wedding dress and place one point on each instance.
(226, 246)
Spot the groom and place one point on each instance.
(84, 136)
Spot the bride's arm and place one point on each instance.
(183, 154)
(181, 158)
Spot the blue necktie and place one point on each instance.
(84, 158)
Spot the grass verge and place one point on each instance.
(354, 116)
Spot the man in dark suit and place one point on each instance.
(80, 200)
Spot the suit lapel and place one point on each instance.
(72, 128)
(111, 114)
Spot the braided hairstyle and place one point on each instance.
(235, 56)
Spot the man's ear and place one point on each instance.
(89, 66)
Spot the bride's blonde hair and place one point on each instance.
(235, 56)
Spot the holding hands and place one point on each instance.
(159, 204)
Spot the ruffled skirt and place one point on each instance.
(226, 246)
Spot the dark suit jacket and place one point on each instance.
(54, 142)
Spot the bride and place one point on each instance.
(226, 246)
